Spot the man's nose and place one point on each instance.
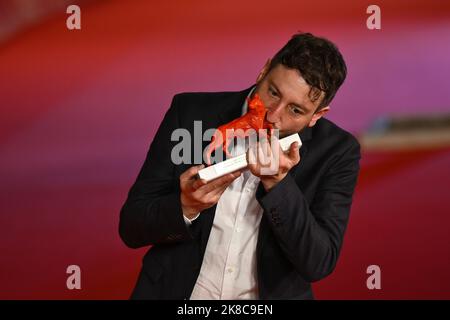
(274, 113)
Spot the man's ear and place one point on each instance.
(263, 71)
(319, 114)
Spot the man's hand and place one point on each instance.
(197, 194)
(263, 161)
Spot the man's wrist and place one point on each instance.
(189, 221)
(189, 213)
(269, 182)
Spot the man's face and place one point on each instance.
(285, 95)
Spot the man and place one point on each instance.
(247, 235)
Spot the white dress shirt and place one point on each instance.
(228, 269)
(229, 265)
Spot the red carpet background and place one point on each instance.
(80, 108)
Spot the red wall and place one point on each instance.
(79, 109)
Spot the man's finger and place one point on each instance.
(293, 153)
(218, 191)
(262, 135)
(198, 183)
(191, 172)
(275, 142)
(251, 155)
(264, 153)
(218, 183)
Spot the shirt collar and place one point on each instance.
(245, 105)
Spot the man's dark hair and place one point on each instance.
(319, 61)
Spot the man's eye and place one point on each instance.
(296, 111)
(273, 92)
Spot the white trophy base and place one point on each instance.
(231, 165)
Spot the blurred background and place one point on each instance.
(79, 109)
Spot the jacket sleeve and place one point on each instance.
(152, 212)
(311, 235)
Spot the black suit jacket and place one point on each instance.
(304, 219)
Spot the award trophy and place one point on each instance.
(242, 127)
